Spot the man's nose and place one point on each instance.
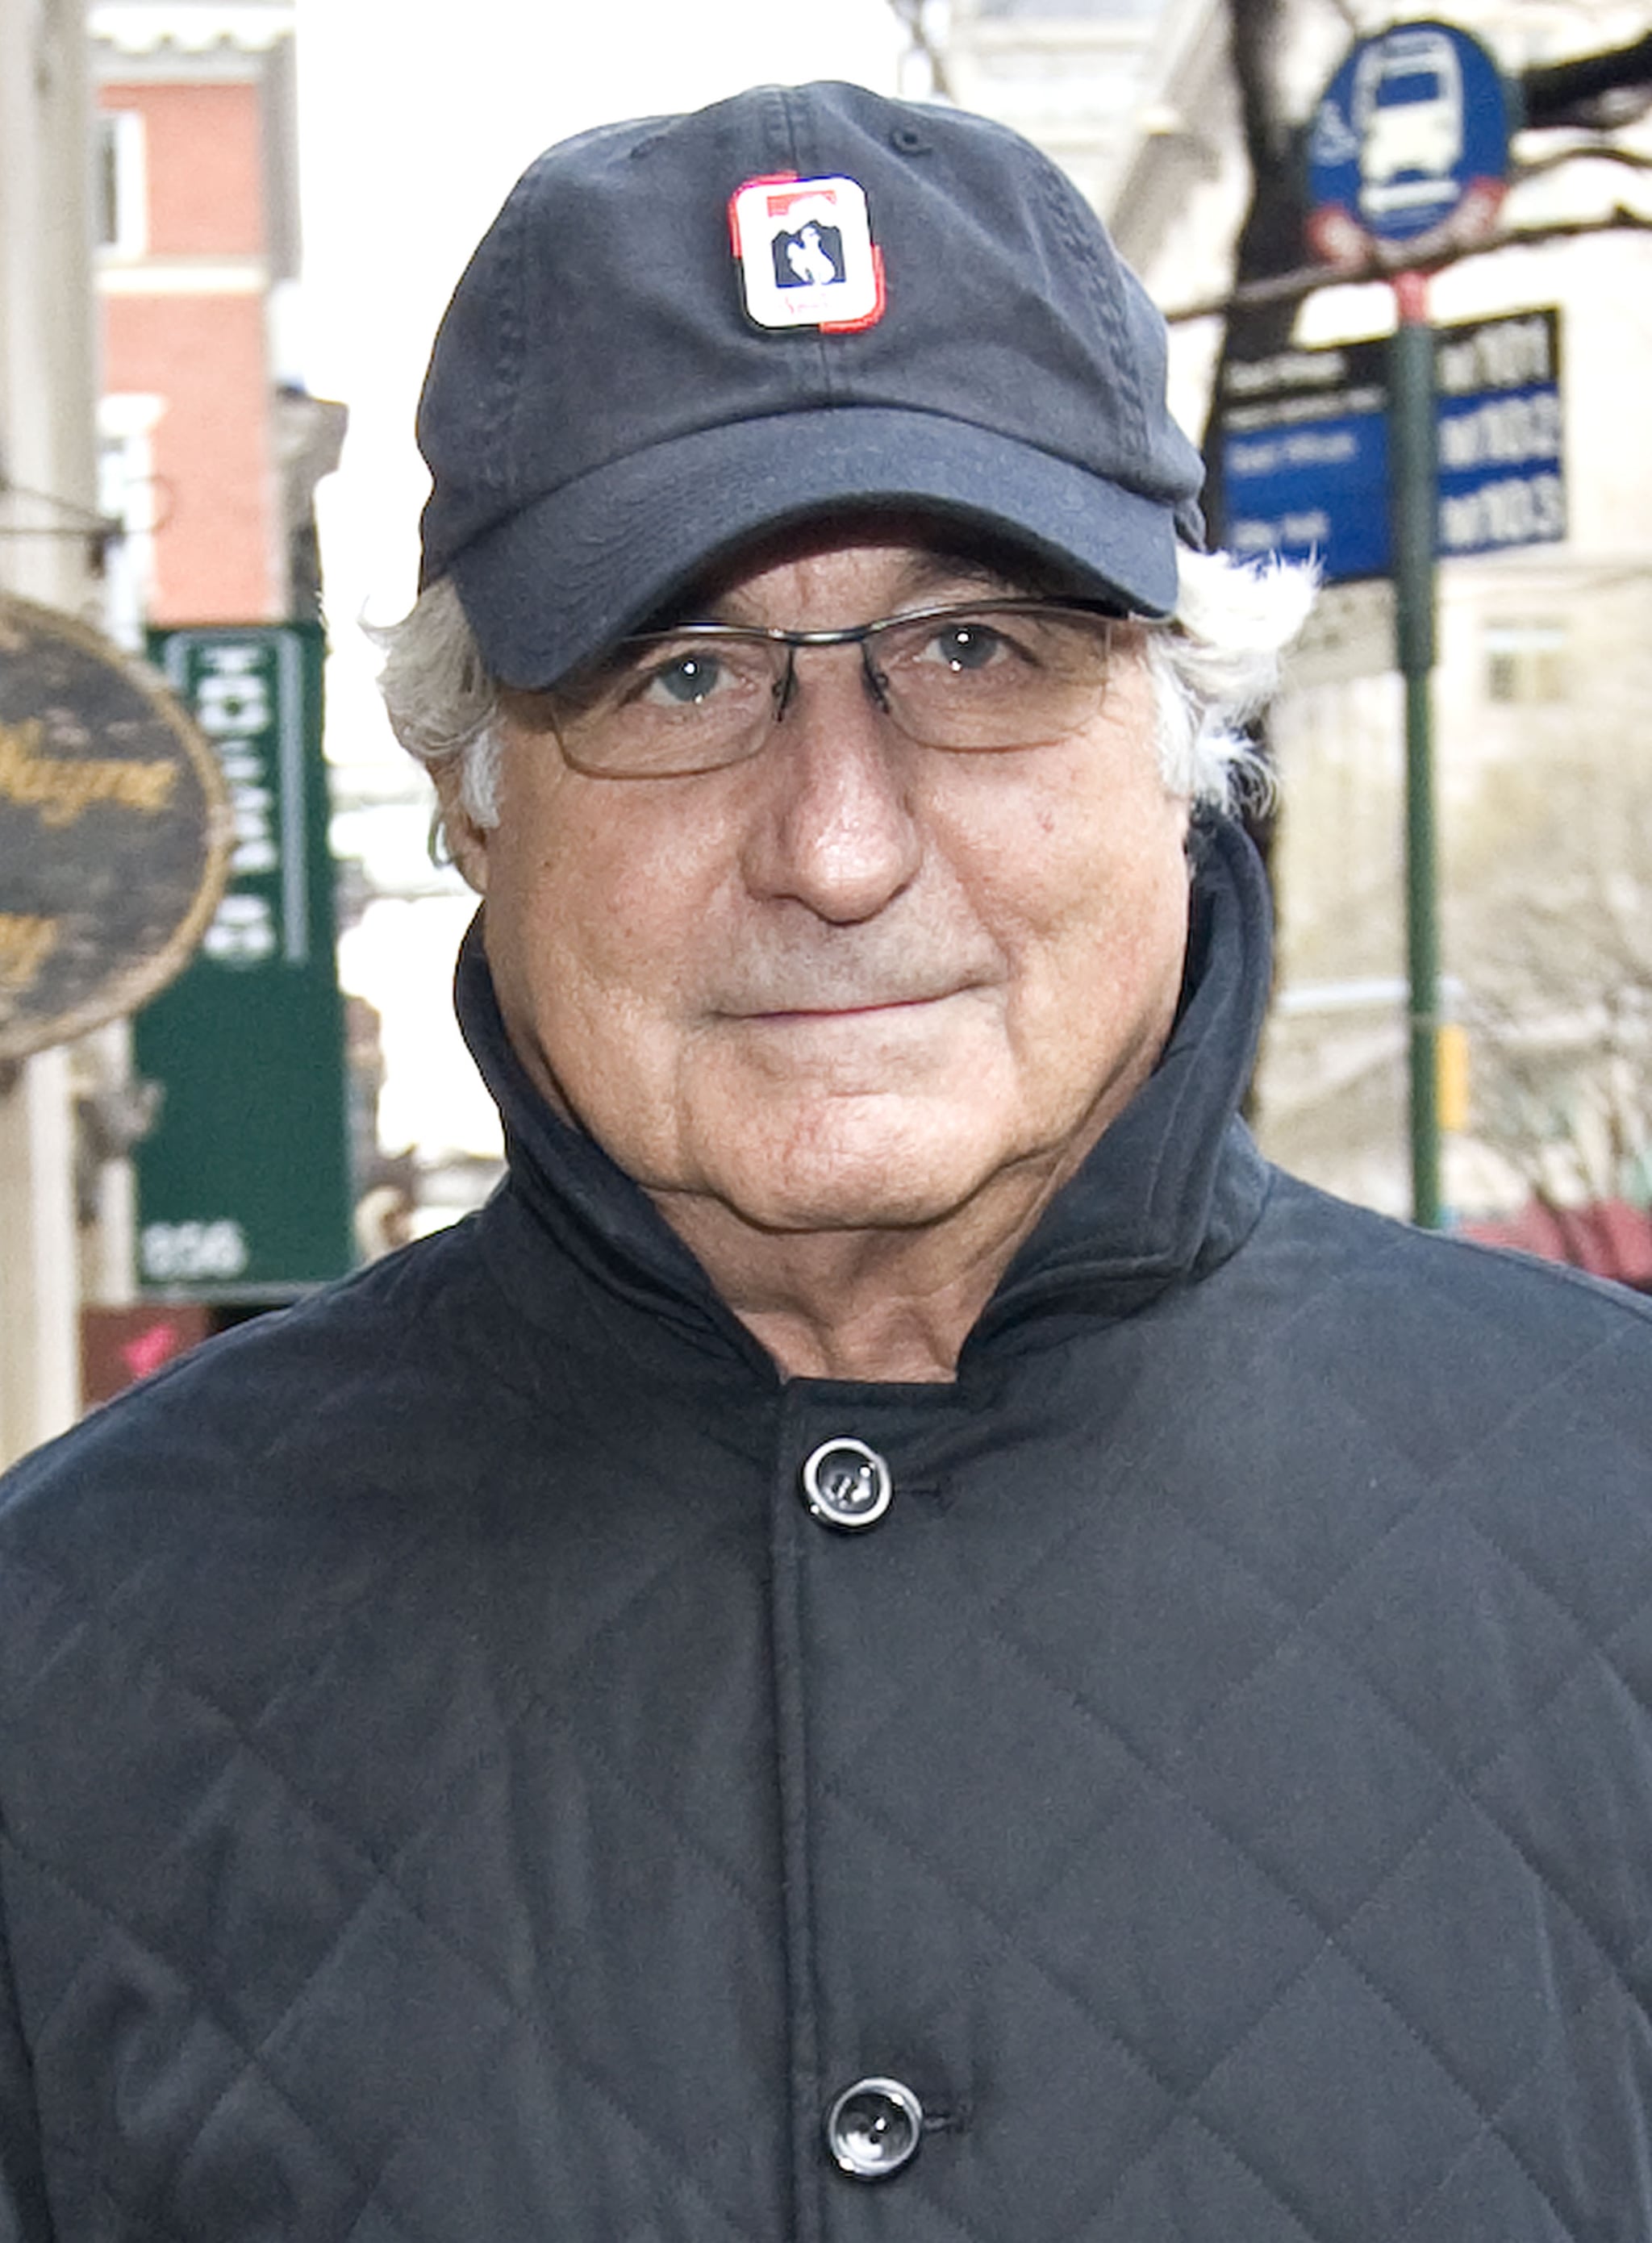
(832, 824)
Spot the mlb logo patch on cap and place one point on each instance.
(806, 255)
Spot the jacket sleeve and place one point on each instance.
(23, 2217)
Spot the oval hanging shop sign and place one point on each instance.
(115, 830)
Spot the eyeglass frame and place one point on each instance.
(860, 635)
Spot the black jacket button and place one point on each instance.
(874, 2128)
(846, 1484)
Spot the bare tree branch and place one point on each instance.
(1291, 287)
(912, 14)
(1599, 152)
(1568, 92)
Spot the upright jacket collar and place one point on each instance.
(1175, 1184)
(1171, 1189)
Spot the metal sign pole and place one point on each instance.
(1413, 476)
(1408, 164)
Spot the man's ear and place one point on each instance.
(465, 842)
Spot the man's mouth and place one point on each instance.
(848, 1010)
(854, 1009)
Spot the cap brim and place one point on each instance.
(556, 583)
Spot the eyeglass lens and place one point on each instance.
(977, 679)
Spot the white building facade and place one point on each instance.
(48, 500)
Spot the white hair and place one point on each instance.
(1213, 665)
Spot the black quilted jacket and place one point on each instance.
(452, 1790)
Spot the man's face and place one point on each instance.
(852, 982)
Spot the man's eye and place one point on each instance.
(964, 646)
(683, 681)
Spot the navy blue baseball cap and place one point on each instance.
(686, 332)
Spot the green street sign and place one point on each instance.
(244, 1186)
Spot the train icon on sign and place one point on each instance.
(1407, 115)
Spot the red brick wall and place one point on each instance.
(204, 353)
(205, 190)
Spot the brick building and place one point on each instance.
(211, 450)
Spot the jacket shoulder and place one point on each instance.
(346, 1397)
(1388, 1336)
(1439, 1272)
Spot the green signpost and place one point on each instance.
(1414, 501)
(1407, 165)
(243, 1188)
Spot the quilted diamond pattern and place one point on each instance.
(371, 1991)
(1337, 1887)
(527, 1828)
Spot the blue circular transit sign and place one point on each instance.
(1409, 149)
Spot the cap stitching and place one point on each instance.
(512, 339)
(1103, 290)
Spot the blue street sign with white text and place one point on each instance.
(1319, 490)
(1304, 447)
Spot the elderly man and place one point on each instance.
(901, 1639)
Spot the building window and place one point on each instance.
(121, 191)
(1524, 662)
(125, 494)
